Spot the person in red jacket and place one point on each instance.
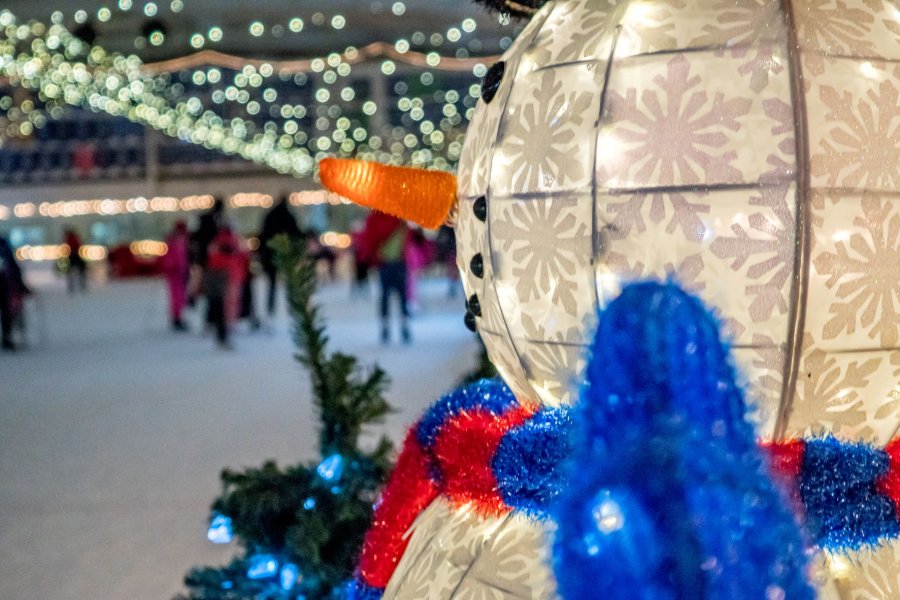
(176, 267)
(226, 267)
(382, 242)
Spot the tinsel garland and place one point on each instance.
(453, 429)
(454, 449)
(845, 509)
(409, 490)
(842, 486)
(491, 395)
(889, 484)
(358, 590)
(464, 451)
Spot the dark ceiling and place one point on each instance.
(124, 25)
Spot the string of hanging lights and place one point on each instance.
(375, 50)
(281, 114)
(455, 36)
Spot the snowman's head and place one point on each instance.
(625, 139)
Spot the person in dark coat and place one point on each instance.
(361, 268)
(210, 223)
(277, 221)
(12, 292)
(76, 276)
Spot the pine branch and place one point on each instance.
(309, 332)
(347, 398)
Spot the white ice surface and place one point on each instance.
(113, 431)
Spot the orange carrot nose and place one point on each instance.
(424, 197)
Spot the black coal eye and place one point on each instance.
(491, 82)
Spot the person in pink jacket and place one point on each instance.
(176, 268)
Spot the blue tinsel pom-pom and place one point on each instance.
(527, 461)
(668, 496)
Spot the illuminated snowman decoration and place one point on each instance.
(750, 149)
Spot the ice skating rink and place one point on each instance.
(113, 430)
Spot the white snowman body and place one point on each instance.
(712, 141)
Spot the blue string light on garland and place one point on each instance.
(289, 576)
(262, 566)
(220, 529)
(668, 495)
(331, 468)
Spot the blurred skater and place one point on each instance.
(321, 253)
(277, 221)
(76, 276)
(226, 267)
(208, 227)
(382, 243)
(12, 293)
(176, 267)
(360, 284)
(248, 296)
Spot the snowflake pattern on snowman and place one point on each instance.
(747, 148)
